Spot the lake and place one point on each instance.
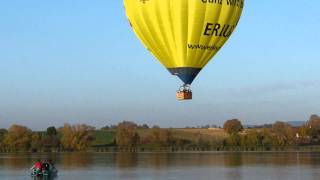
(169, 166)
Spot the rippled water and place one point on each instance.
(169, 166)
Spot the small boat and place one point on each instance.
(52, 172)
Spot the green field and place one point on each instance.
(107, 137)
(103, 137)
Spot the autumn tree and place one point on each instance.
(127, 134)
(267, 138)
(82, 137)
(234, 140)
(67, 136)
(283, 133)
(202, 141)
(76, 137)
(314, 125)
(252, 138)
(314, 121)
(233, 126)
(304, 132)
(18, 138)
(217, 141)
(161, 137)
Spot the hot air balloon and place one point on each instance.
(184, 34)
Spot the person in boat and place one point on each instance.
(37, 167)
(49, 169)
(46, 165)
(51, 163)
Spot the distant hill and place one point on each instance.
(291, 123)
(296, 123)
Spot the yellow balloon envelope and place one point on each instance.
(184, 34)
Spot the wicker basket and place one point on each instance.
(184, 95)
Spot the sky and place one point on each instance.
(79, 62)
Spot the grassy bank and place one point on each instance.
(107, 137)
(104, 142)
(209, 149)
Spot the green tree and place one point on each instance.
(36, 141)
(51, 131)
(127, 134)
(51, 139)
(3, 133)
(145, 126)
(232, 126)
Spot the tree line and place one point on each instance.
(67, 138)
(277, 134)
(80, 137)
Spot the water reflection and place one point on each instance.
(14, 161)
(75, 160)
(233, 160)
(126, 160)
(162, 160)
(228, 166)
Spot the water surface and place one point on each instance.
(169, 166)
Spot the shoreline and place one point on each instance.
(315, 148)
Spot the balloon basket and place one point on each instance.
(184, 93)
